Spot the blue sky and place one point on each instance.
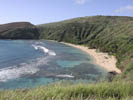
(45, 11)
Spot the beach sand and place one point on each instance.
(102, 59)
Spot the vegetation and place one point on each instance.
(19, 30)
(101, 91)
(110, 34)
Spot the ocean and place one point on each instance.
(31, 63)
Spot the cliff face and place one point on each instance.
(19, 30)
(110, 34)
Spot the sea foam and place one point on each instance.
(17, 71)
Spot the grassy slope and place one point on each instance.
(110, 34)
(101, 91)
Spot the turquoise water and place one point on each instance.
(67, 64)
(31, 63)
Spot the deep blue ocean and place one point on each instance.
(31, 63)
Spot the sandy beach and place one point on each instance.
(103, 59)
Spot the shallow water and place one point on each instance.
(30, 63)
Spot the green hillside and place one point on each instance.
(110, 34)
(18, 30)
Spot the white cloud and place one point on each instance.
(81, 1)
(128, 8)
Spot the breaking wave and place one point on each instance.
(65, 76)
(44, 49)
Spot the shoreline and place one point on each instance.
(104, 60)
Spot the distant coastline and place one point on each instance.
(103, 59)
